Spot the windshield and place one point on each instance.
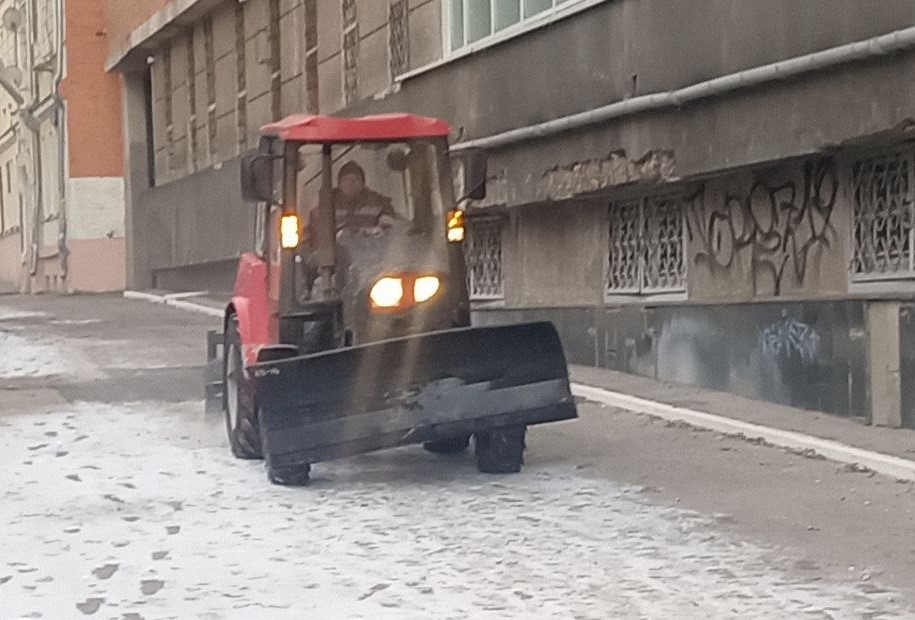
(378, 186)
(389, 202)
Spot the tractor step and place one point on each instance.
(213, 382)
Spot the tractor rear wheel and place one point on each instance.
(501, 451)
(238, 398)
(452, 445)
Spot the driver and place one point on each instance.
(356, 206)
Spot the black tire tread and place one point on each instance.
(244, 439)
(501, 451)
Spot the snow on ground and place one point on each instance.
(137, 512)
(21, 357)
(11, 314)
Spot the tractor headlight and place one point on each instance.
(387, 293)
(289, 231)
(425, 288)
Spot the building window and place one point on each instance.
(476, 20)
(647, 251)
(483, 255)
(241, 98)
(311, 56)
(398, 38)
(210, 57)
(191, 103)
(884, 216)
(169, 110)
(350, 52)
(276, 75)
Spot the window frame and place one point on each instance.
(525, 25)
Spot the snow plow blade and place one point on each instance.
(409, 390)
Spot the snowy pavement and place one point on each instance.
(137, 510)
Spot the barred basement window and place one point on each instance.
(483, 255)
(211, 86)
(647, 246)
(311, 56)
(350, 52)
(241, 99)
(884, 216)
(398, 38)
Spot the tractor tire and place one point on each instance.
(452, 445)
(501, 451)
(288, 476)
(238, 398)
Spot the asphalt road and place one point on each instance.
(120, 500)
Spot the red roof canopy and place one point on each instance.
(318, 128)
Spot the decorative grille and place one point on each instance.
(483, 255)
(398, 38)
(350, 51)
(884, 216)
(646, 246)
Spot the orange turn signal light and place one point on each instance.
(455, 226)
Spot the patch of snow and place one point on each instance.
(141, 509)
(24, 357)
(11, 314)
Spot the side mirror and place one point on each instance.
(472, 175)
(257, 178)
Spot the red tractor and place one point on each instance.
(349, 329)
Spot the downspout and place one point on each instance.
(808, 63)
(61, 116)
(35, 127)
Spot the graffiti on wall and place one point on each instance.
(789, 338)
(773, 230)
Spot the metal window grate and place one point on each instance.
(646, 246)
(398, 38)
(350, 52)
(884, 216)
(483, 255)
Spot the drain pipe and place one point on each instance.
(61, 143)
(808, 63)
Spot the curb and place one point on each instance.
(892, 466)
(176, 300)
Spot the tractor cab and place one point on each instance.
(359, 220)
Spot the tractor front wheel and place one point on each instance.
(238, 398)
(501, 451)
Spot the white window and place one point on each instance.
(472, 21)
